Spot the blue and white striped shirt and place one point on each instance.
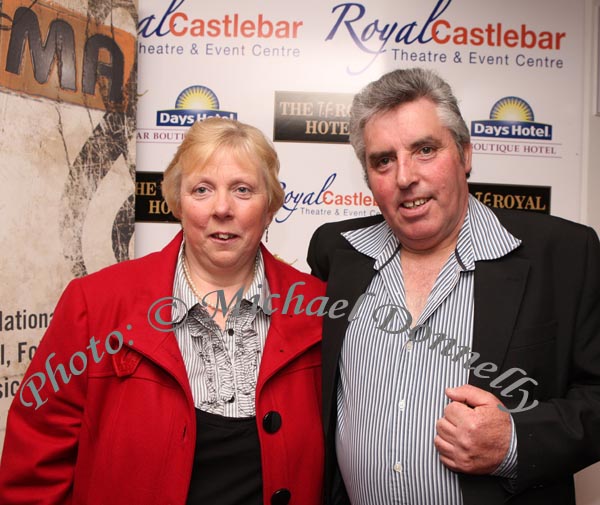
(391, 389)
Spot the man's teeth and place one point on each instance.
(415, 203)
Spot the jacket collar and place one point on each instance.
(153, 337)
(498, 292)
(289, 334)
(354, 272)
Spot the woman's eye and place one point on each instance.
(243, 190)
(201, 190)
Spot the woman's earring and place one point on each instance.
(267, 236)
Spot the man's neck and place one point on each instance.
(420, 271)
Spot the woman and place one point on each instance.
(119, 406)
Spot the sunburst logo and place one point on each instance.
(194, 103)
(511, 117)
(511, 108)
(197, 97)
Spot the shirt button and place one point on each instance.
(230, 332)
(398, 467)
(401, 404)
(409, 345)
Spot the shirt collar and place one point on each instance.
(480, 238)
(490, 240)
(377, 241)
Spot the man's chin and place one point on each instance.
(421, 239)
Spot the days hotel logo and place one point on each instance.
(194, 103)
(511, 118)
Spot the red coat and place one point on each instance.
(123, 431)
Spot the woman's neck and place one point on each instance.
(208, 283)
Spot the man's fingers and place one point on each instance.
(471, 396)
(444, 447)
(456, 413)
(445, 429)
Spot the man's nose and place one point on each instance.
(406, 173)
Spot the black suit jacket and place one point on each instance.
(537, 308)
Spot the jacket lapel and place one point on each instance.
(499, 288)
(350, 274)
(289, 337)
(283, 342)
(158, 346)
(150, 337)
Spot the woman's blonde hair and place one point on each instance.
(204, 138)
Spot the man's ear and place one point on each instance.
(468, 157)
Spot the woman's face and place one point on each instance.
(224, 212)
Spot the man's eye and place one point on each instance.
(427, 150)
(384, 161)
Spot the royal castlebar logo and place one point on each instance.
(511, 117)
(195, 103)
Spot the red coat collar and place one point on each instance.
(289, 334)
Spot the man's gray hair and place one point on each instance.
(403, 86)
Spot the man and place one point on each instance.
(469, 369)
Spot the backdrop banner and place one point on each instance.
(67, 144)
(291, 69)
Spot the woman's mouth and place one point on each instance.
(223, 236)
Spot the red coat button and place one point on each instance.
(272, 422)
(281, 497)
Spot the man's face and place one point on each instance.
(416, 175)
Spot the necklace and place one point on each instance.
(190, 282)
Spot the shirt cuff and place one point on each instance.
(508, 467)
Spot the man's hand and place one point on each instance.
(474, 434)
